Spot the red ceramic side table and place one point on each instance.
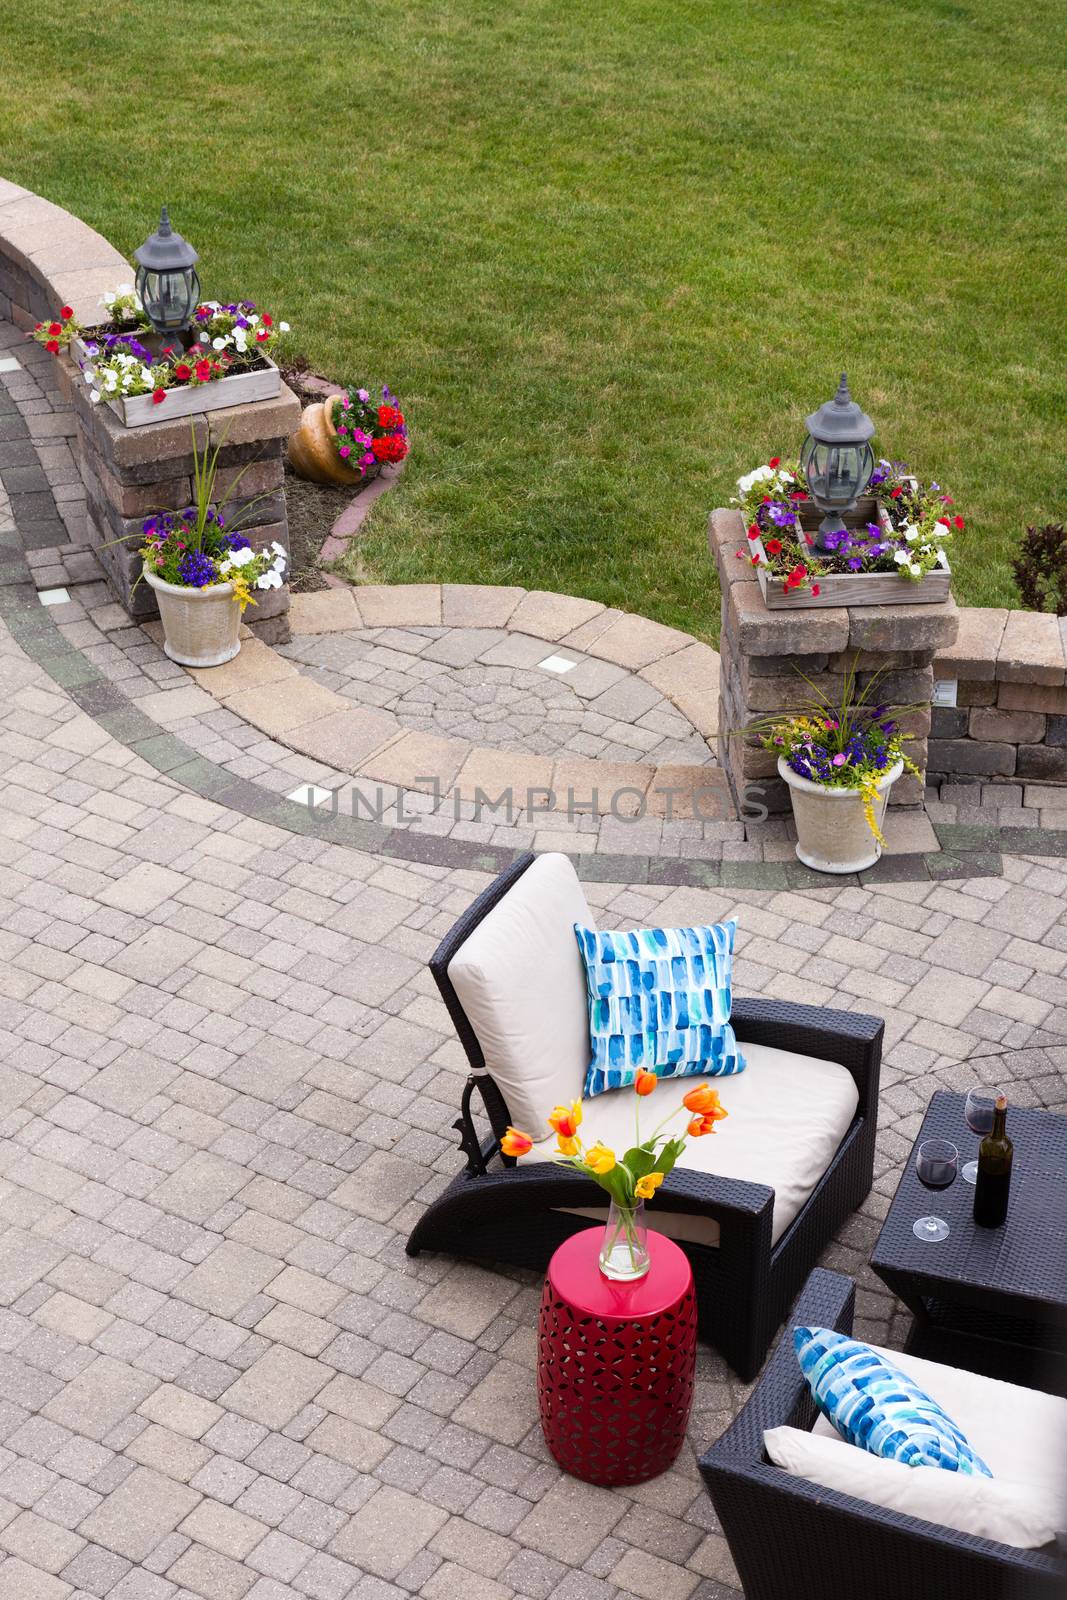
(615, 1361)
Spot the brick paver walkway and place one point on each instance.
(227, 1089)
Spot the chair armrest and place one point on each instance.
(851, 1038)
(781, 1395)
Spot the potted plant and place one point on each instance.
(893, 550)
(203, 570)
(840, 760)
(631, 1179)
(347, 438)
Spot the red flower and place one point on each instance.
(37, 327)
(261, 337)
(66, 312)
(183, 371)
(896, 493)
(754, 560)
(753, 532)
(52, 346)
(815, 588)
(158, 396)
(203, 371)
(944, 522)
(808, 539)
(775, 461)
(773, 547)
(390, 417)
(957, 522)
(268, 322)
(799, 573)
(55, 327)
(393, 447)
(797, 494)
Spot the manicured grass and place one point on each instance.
(608, 254)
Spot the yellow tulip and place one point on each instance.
(600, 1159)
(568, 1146)
(646, 1187)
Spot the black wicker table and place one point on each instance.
(991, 1300)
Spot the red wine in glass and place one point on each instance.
(936, 1167)
(978, 1115)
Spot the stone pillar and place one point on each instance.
(763, 654)
(131, 473)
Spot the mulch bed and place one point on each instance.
(312, 509)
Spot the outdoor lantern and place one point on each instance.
(166, 280)
(837, 460)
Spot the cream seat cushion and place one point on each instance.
(521, 982)
(1020, 1433)
(787, 1115)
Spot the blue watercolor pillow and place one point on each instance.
(874, 1405)
(659, 999)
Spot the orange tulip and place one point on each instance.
(645, 1082)
(565, 1120)
(515, 1143)
(706, 1123)
(702, 1099)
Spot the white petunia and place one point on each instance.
(241, 558)
(915, 570)
(269, 580)
(283, 327)
(279, 549)
(108, 299)
(94, 396)
(224, 566)
(900, 557)
(146, 375)
(759, 475)
(219, 343)
(910, 532)
(252, 317)
(124, 288)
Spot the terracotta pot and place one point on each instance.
(201, 627)
(832, 831)
(313, 448)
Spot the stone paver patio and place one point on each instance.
(226, 1091)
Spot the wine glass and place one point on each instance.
(978, 1114)
(936, 1165)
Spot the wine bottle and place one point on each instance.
(994, 1171)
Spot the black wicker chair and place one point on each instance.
(744, 1285)
(794, 1540)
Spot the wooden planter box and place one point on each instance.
(236, 390)
(850, 588)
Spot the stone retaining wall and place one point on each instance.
(49, 258)
(1009, 722)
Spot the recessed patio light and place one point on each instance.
(557, 664)
(309, 794)
(53, 597)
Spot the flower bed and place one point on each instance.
(368, 437)
(892, 552)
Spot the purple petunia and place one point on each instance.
(196, 569)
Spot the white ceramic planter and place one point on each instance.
(201, 627)
(832, 831)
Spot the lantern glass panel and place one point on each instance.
(836, 474)
(169, 298)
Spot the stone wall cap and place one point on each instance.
(1032, 650)
(760, 632)
(895, 628)
(71, 261)
(169, 438)
(973, 655)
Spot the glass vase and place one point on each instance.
(624, 1253)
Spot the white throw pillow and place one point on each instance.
(1010, 1512)
(521, 982)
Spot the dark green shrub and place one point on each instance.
(1040, 569)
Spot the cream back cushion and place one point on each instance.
(521, 981)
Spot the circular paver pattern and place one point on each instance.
(505, 691)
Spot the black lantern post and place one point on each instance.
(837, 460)
(167, 282)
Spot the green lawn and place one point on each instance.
(608, 253)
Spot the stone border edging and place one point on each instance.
(50, 258)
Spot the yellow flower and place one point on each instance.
(565, 1120)
(600, 1159)
(646, 1187)
(567, 1145)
